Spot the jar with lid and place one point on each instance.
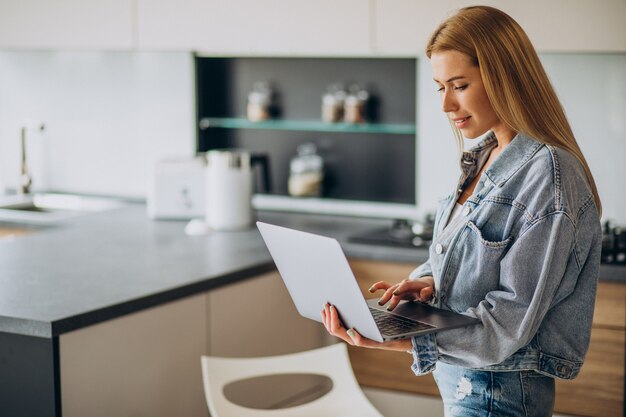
(355, 105)
(259, 102)
(306, 172)
(333, 103)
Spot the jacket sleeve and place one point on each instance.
(422, 270)
(510, 315)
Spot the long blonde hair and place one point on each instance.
(516, 83)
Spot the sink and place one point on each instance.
(49, 208)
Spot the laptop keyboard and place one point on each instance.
(391, 324)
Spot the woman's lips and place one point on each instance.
(461, 122)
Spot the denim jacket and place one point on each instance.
(523, 256)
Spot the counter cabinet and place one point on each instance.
(148, 362)
(598, 390)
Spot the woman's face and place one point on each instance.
(463, 94)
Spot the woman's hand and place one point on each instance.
(421, 289)
(330, 318)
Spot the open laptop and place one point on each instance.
(316, 271)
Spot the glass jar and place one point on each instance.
(306, 172)
(259, 102)
(355, 105)
(333, 103)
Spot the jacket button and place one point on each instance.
(439, 248)
(466, 210)
(563, 369)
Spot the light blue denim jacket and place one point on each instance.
(523, 256)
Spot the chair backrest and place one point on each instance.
(344, 399)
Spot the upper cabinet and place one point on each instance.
(403, 26)
(243, 27)
(292, 28)
(66, 24)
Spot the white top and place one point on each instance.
(455, 212)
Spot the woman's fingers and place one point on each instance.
(335, 327)
(421, 290)
(380, 285)
(358, 340)
(426, 294)
(388, 294)
(326, 317)
(408, 289)
(332, 322)
(397, 345)
(335, 324)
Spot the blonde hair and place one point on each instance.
(516, 83)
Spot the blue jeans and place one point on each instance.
(475, 393)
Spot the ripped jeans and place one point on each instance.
(474, 393)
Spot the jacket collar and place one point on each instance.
(512, 158)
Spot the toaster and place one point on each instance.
(177, 189)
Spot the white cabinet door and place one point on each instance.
(256, 317)
(321, 27)
(142, 364)
(148, 363)
(404, 26)
(66, 24)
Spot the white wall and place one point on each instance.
(592, 88)
(108, 116)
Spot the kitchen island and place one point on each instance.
(98, 268)
(115, 290)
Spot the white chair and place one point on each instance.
(345, 398)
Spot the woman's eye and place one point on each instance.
(440, 89)
(461, 87)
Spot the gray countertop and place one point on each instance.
(101, 266)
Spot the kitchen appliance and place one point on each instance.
(177, 189)
(229, 187)
(401, 233)
(613, 244)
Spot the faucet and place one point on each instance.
(25, 178)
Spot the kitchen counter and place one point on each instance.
(92, 271)
(101, 266)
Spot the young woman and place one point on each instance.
(516, 245)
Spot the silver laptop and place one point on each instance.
(316, 271)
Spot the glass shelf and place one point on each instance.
(307, 126)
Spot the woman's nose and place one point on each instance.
(448, 104)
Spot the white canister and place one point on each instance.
(229, 184)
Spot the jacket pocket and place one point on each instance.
(474, 268)
(488, 243)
